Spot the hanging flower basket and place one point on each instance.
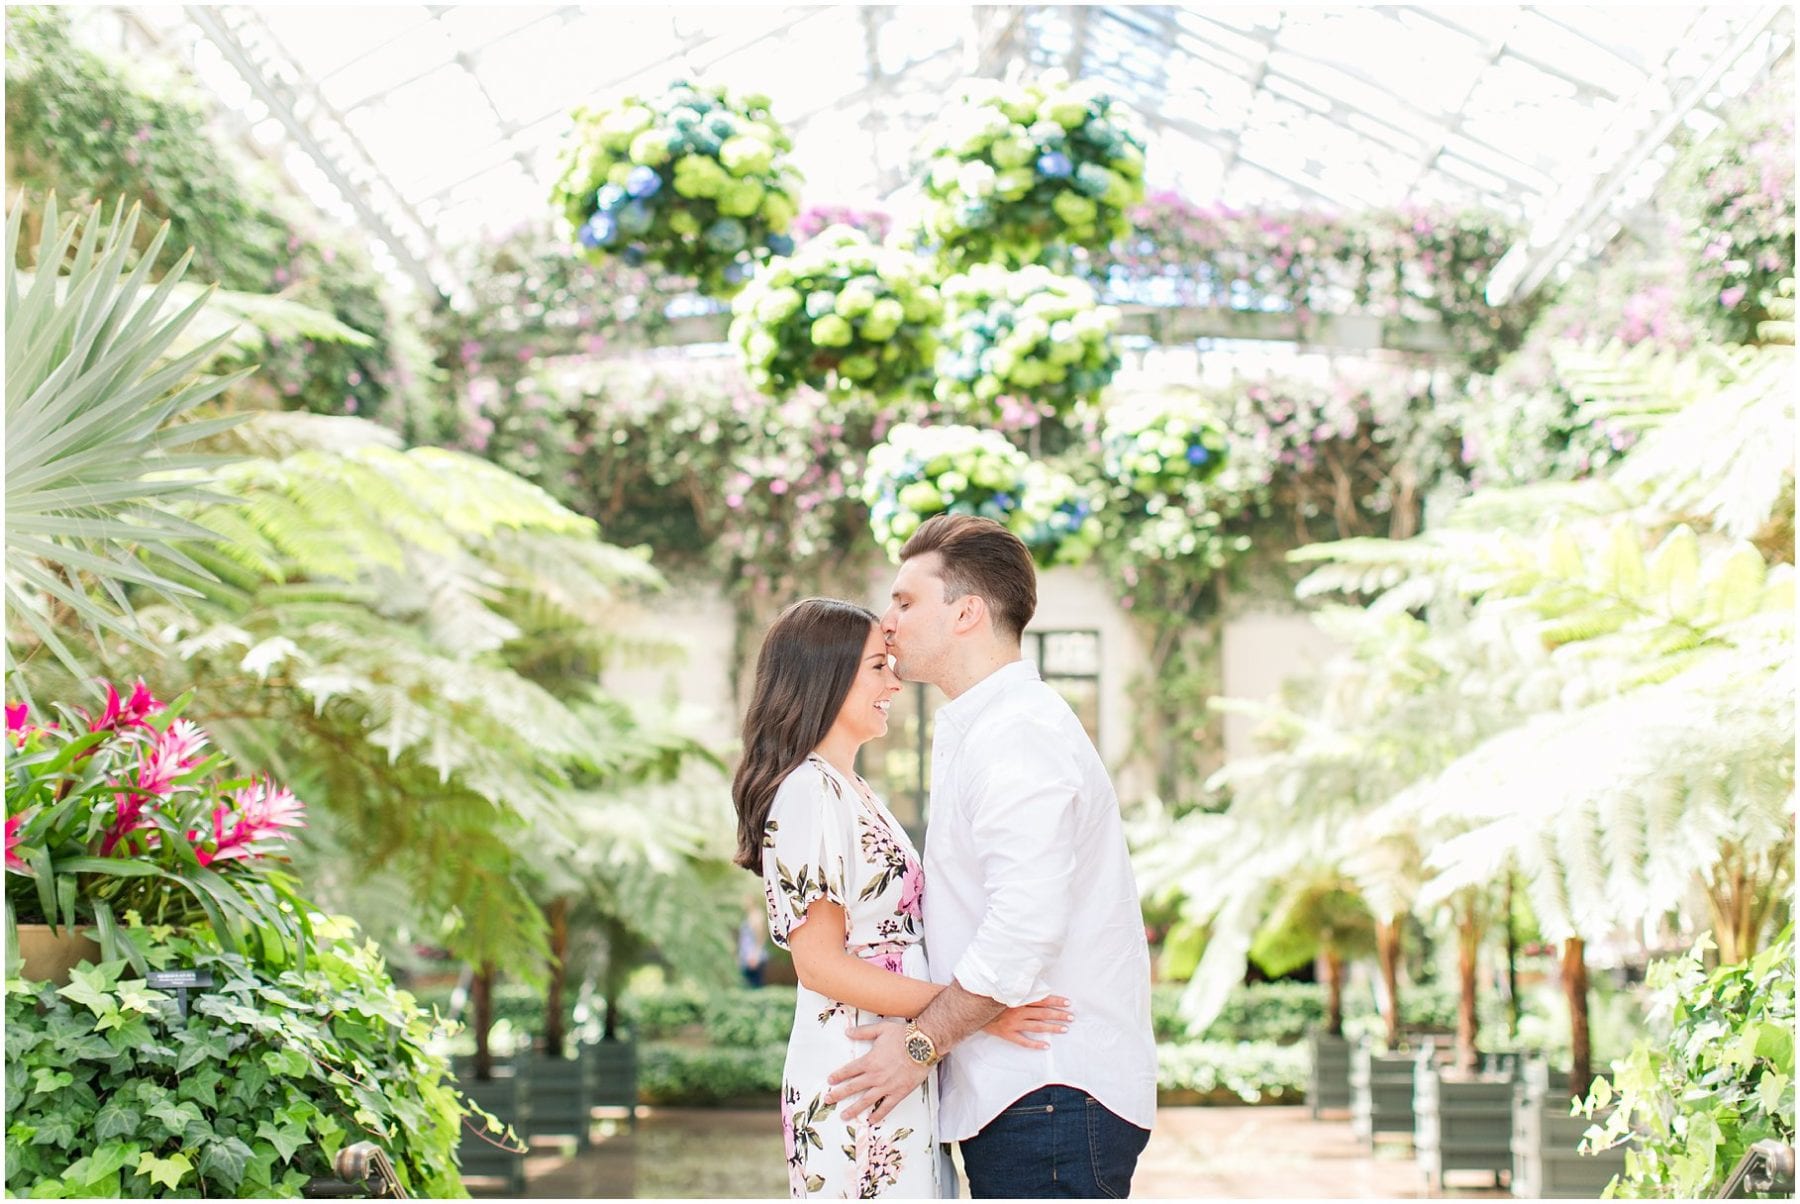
(1021, 169)
(1161, 446)
(691, 181)
(1167, 461)
(839, 315)
(918, 472)
(1029, 334)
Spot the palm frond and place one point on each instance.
(95, 459)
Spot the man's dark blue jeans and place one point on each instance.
(1055, 1141)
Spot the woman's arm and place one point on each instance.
(825, 966)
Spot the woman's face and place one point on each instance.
(865, 712)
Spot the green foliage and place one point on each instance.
(110, 1093)
(1279, 1012)
(919, 472)
(85, 126)
(1734, 191)
(95, 457)
(1025, 338)
(1024, 172)
(1689, 1104)
(691, 179)
(1234, 1072)
(128, 812)
(529, 299)
(667, 1010)
(687, 458)
(1312, 918)
(689, 1075)
(739, 1019)
(840, 314)
(438, 625)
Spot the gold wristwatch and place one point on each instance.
(919, 1045)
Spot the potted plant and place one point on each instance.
(128, 811)
(1321, 919)
(249, 1087)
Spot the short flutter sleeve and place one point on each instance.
(807, 849)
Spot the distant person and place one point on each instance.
(752, 955)
(1031, 894)
(845, 896)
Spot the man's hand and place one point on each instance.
(879, 1079)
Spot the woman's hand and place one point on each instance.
(1050, 1014)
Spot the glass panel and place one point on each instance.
(1074, 653)
(898, 768)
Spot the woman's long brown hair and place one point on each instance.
(809, 658)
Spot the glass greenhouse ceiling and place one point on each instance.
(432, 124)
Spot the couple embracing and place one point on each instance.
(996, 995)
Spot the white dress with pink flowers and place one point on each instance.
(829, 837)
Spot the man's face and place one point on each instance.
(919, 620)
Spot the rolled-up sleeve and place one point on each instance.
(1024, 822)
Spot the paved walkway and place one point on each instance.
(1217, 1153)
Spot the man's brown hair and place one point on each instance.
(981, 557)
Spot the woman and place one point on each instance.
(844, 890)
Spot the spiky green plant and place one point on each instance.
(97, 449)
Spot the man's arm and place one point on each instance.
(1024, 828)
(885, 1075)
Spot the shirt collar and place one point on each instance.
(961, 710)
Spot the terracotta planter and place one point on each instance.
(49, 955)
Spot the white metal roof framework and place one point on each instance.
(428, 124)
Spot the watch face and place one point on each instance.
(918, 1048)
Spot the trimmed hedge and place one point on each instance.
(692, 1075)
(1283, 1012)
(1224, 1072)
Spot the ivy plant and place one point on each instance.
(1689, 1106)
(110, 1092)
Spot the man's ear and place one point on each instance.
(971, 614)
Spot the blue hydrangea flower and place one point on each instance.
(1198, 454)
(610, 197)
(643, 182)
(780, 244)
(735, 272)
(1055, 165)
(600, 231)
(635, 218)
(726, 235)
(1003, 500)
(633, 255)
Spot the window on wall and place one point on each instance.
(899, 767)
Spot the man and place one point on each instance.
(1028, 893)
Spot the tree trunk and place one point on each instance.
(1575, 986)
(481, 998)
(1387, 949)
(1512, 964)
(1468, 948)
(1334, 993)
(553, 1037)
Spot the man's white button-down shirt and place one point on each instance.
(1028, 893)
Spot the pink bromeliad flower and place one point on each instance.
(14, 837)
(259, 812)
(131, 713)
(176, 751)
(130, 818)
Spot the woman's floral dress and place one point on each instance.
(828, 837)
